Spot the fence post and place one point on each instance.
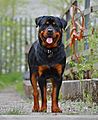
(20, 42)
(31, 30)
(15, 45)
(26, 55)
(87, 19)
(68, 17)
(68, 31)
(76, 42)
(1, 45)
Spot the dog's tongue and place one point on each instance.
(49, 40)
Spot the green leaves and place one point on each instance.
(88, 59)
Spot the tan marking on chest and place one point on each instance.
(58, 67)
(41, 69)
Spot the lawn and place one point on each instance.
(14, 80)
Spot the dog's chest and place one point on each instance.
(49, 57)
(50, 70)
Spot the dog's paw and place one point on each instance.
(43, 109)
(35, 109)
(56, 110)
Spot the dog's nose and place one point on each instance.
(50, 30)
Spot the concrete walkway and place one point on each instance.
(49, 117)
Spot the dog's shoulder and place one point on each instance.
(32, 49)
(32, 52)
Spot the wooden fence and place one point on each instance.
(15, 34)
(86, 51)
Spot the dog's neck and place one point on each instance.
(49, 51)
(47, 56)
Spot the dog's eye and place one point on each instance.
(54, 23)
(47, 23)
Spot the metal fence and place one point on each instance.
(15, 34)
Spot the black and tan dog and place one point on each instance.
(47, 59)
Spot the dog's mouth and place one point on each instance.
(49, 40)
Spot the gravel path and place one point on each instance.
(13, 107)
(12, 103)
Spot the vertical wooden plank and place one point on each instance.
(3, 54)
(68, 29)
(76, 42)
(26, 27)
(6, 43)
(1, 44)
(8, 34)
(15, 45)
(20, 45)
(68, 17)
(31, 26)
(87, 19)
(12, 47)
(10, 42)
(26, 56)
(26, 40)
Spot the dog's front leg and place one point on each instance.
(35, 93)
(56, 84)
(43, 89)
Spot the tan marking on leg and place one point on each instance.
(35, 93)
(44, 102)
(55, 107)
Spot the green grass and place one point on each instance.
(14, 79)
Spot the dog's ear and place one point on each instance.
(64, 23)
(38, 20)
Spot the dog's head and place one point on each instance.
(50, 30)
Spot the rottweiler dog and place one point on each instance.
(47, 60)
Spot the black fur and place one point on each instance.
(40, 55)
